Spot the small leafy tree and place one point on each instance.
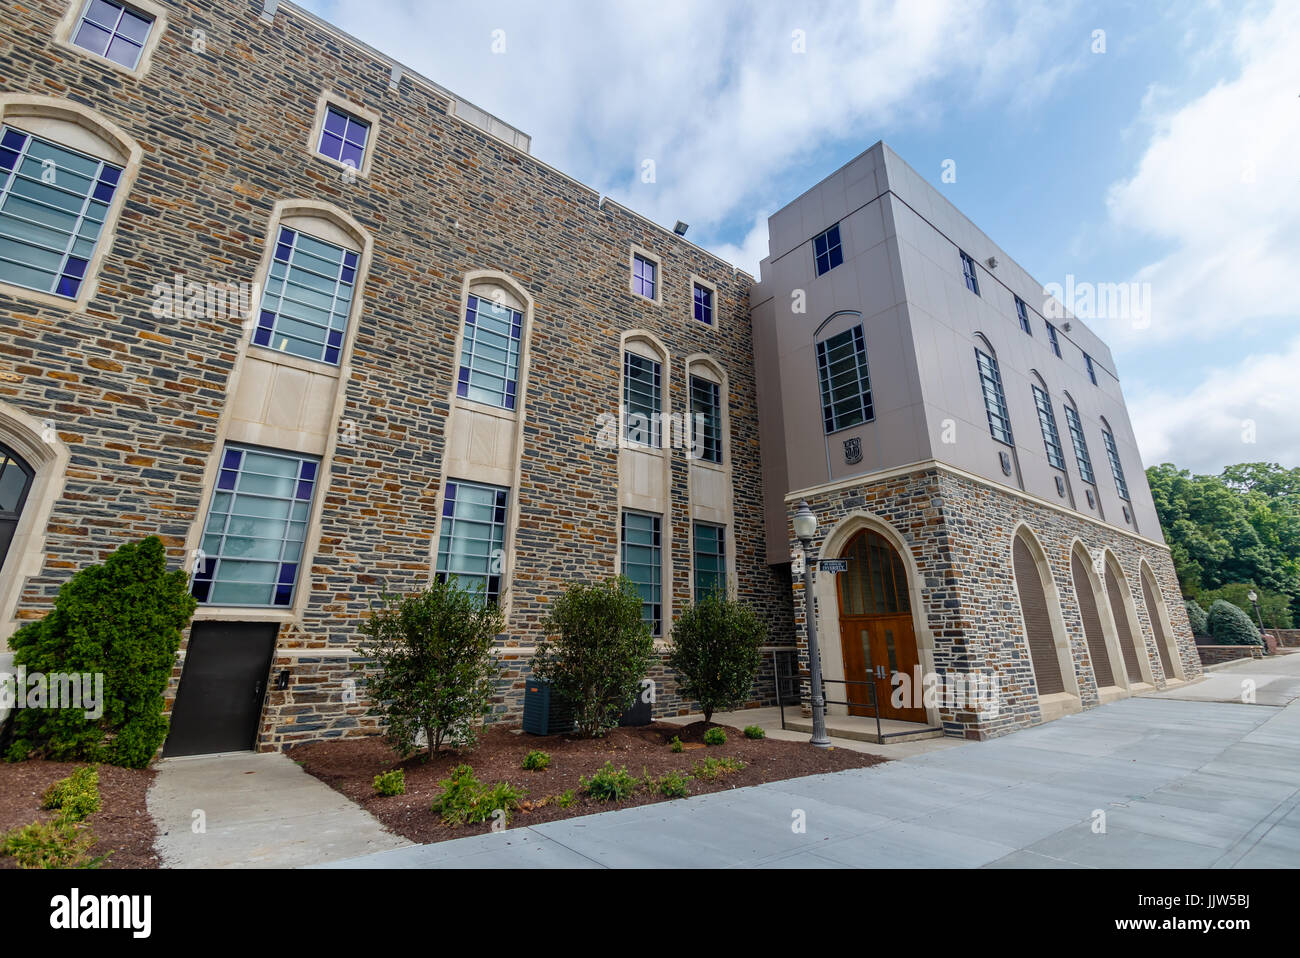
(122, 619)
(435, 670)
(1196, 617)
(1230, 626)
(716, 646)
(600, 651)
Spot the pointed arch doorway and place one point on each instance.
(876, 633)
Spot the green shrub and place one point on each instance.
(76, 796)
(466, 800)
(755, 731)
(673, 785)
(391, 783)
(536, 760)
(1197, 619)
(707, 769)
(716, 652)
(608, 784)
(436, 672)
(567, 799)
(675, 744)
(715, 736)
(596, 652)
(1274, 607)
(123, 620)
(62, 843)
(1230, 626)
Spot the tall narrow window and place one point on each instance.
(1051, 338)
(995, 401)
(968, 272)
(710, 560)
(1047, 422)
(1022, 314)
(1092, 373)
(114, 31)
(343, 138)
(471, 545)
(642, 563)
(15, 482)
(703, 297)
(1080, 444)
(53, 203)
(1116, 469)
(257, 523)
(642, 389)
(706, 419)
(645, 276)
(845, 382)
(827, 250)
(307, 298)
(489, 355)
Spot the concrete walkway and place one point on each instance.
(1175, 784)
(258, 811)
(1274, 680)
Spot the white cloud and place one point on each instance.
(713, 92)
(1217, 188)
(1241, 413)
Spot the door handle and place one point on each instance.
(257, 689)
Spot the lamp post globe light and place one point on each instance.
(1253, 596)
(805, 528)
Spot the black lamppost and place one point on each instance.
(805, 527)
(1254, 600)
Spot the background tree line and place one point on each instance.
(1233, 532)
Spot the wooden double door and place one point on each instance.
(876, 634)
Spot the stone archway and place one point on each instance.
(826, 593)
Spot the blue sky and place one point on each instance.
(1169, 159)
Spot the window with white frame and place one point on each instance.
(53, 204)
(645, 276)
(710, 549)
(343, 137)
(255, 529)
(642, 399)
(642, 563)
(995, 400)
(489, 354)
(115, 31)
(844, 379)
(471, 544)
(307, 298)
(1080, 444)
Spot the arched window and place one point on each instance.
(1112, 453)
(995, 399)
(842, 372)
(15, 483)
(1040, 633)
(876, 580)
(1079, 441)
(1047, 422)
(491, 347)
(645, 380)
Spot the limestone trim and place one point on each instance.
(39, 444)
(475, 283)
(80, 128)
(826, 600)
(300, 212)
(63, 33)
(1060, 634)
(327, 99)
(1140, 646)
(922, 465)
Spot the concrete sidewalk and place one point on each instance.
(1274, 680)
(1176, 783)
(259, 811)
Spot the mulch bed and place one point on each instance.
(122, 824)
(350, 766)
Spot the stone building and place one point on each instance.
(329, 330)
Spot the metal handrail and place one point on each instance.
(791, 677)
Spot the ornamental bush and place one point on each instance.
(716, 652)
(436, 672)
(121, 620)
(596, 652)
(1199, 622)
(1230, 626)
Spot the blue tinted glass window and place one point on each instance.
(489, 356)
(827, 251)
(471, 545)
